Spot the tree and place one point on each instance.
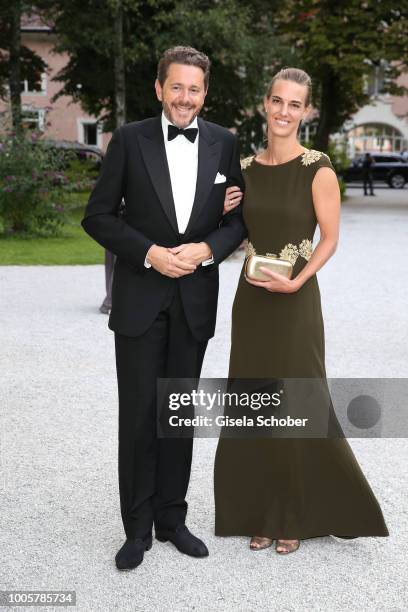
(337, 44)
(17, 62)
(119, 66)
(235, 35)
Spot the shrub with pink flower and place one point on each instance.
(31, 182)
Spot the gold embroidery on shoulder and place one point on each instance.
(246, 162)
(309, 157)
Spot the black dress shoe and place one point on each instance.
(104, 309)
(132, 552)
(184, 541)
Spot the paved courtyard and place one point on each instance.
(61, 524)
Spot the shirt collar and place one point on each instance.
(165, 125)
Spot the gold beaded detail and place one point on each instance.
(250, 249)
(309, 157)
(290, 251)
(306, 249)
(247, 161)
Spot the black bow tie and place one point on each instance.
(189, 133)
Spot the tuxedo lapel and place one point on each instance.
(209, 153)
(154, 154)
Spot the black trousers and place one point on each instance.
(368, 182)
(154, 472)
(109, 267)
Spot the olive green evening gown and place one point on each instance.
(293, 487)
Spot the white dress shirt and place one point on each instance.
(182, 159)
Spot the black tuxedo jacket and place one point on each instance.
(135, 168)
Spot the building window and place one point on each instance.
(33, 118)
(308, 132)
(35, 85)
(89, 133)
(376, 81)
(375, 137)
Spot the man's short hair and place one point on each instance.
(183, 55)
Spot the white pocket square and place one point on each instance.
(220, 178)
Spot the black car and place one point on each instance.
(390, 168)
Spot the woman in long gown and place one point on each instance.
(293, 488)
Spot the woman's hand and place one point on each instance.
(277, 283)
(233, 197)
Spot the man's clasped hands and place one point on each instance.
(179, 260)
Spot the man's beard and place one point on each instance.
(175, 120)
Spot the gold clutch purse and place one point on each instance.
(270, 261)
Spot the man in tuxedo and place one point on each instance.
(172, 171)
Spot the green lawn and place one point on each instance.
(73, 247)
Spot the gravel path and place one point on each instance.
(61, 524)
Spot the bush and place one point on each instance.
(343, 187)
(338, 156)
(31, 181)
(81, 174)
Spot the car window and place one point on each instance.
(389, 159)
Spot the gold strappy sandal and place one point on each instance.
(259, 543)
(288, 546)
